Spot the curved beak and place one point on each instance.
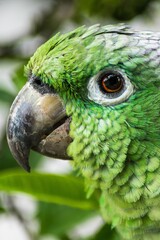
(38, 121)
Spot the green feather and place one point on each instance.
(115, 148)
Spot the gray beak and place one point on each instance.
(38, 121)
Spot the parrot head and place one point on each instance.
(92, 95)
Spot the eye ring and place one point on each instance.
(118, 94)
(111, 82)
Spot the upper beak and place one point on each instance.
(33, 116)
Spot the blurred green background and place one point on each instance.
(50, 203)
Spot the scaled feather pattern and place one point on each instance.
(116, 137)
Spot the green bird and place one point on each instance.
(93, 96)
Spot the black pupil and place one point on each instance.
(112, 82)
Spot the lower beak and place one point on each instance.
(37, 121)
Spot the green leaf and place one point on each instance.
(63, 218)
(65, 190)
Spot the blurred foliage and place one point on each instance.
(105, 231)
(64, 218)
(121, 10)
(18, 76)
(6, 158)
(6, 96)
(61, 200)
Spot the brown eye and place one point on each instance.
(110, 87)
(111, 82)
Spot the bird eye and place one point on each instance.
(111, 82)
(110, 87)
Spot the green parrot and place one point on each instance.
(93, 97)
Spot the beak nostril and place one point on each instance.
(40, 86)
(38, 82)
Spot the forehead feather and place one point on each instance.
(85, 51)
